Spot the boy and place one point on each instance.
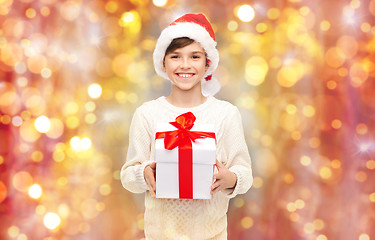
(186, 54)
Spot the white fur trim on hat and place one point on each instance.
(197, 33)
(211, 87)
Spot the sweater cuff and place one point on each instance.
(140, 174)
(231, 193)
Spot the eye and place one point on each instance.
(196, 56)
(174, 56)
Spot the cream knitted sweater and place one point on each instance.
(187, 218)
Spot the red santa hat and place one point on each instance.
(198, 28)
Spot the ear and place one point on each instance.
(164, 69)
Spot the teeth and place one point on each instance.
(185, 75)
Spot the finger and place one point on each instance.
(153, 192)
(153, 183)
(149, 186)
(151, 189)
(217, 189)
(153, 165)
(217, 176)
(150, 180)
(215, 184)
(219, 165)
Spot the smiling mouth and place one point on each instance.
(185, 75)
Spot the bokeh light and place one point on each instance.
(245, 13)
(35, 191)
(256, 70)
(159, 3)
(3, 192)
(79, 144)
(364, 236)
(95, 90)
(42, 124)
(22, 181)
(51, 220)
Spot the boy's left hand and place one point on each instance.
(223, 179)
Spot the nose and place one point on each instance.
(185, 63)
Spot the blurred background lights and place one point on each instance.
(273, 13)
(325, 25)
(128, 17)
(372, 197)
(45, 11)
(63, 210)
(35, 191)
(364, 147)
(3, 192)
(111, 6)
(261, 27)
(22, 181)
(42, 124)
(51, 220)
(85, 143)
(111, 115)
(71, 108)
(294, 217)
(325, 172)
(305, 160)
(370, 164)
(72, 122)
(232, 25)
(308, 111)
(245, 13)
(75, 142)
(364, 236)
(37, 156)
(95, 90)
(321, 237)
(159, 3)
(57, 128)
(302, 78)
(355, 4)
(13, 231)
(247, 222)
(79, 144)
(46, 72)
(258, 182)
(17, 121)
(256, 70)
(349, 15)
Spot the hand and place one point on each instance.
(223, 179)
(149, 174)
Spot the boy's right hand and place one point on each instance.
(149, 174)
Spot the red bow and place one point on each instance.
(183, 138)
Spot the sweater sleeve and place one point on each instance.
(138, 156)
(237, 154)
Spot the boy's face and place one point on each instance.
(186, 66)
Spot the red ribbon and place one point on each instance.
(183, 138)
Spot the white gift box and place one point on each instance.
(167, 168)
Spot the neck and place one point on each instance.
(185, 99)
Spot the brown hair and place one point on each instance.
(180, 43)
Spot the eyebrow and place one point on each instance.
(193, 52)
